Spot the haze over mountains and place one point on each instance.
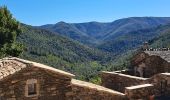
(87, 48)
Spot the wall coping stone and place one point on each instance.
(124, 75)
(167, 74)
(95, 87)
(139, 86)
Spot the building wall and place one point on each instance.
(118, 81)
(161, 84)
(148, 66)
(143, 92)
(88, 91)
(51, 86)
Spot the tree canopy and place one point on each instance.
(9, 30)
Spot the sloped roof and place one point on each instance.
(163, 54)
(11, 65)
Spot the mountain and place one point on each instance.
(135, 39)
(127, 25)
(69, 30)
(163, 39)
(63, 53)
(92, 29)
(95, 32)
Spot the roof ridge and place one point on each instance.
(27, 63)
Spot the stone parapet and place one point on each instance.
(87, 91)
(118, 81)
(143, 92)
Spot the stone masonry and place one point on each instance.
(148, 77)
(25, 80)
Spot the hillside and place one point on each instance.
(68, 30)
(162, 40)
(64, 53)
(127, 25)
(95, 32)
(60, 52)
(55, 45)
(134, 39)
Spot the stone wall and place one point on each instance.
(87, 91)
(49, 83)
(51, 86)
(143, 92)
(118, 81)
(148, 64)
(161, 83)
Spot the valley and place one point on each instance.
(85, 49)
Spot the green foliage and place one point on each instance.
(162, 40)
(62, 53)
(96, 80)
(12, 49)
(9, 29)
(84, 60)
(93, 33)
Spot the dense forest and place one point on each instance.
(63, 53)
(83, 49)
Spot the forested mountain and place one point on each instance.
(131, 24)
(83, 49)
(69, 31)
(63, 53)
(100, 32)
(163, 39)
(135, 39)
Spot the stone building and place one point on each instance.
(25, 80)
(149, 76)
(149, 63)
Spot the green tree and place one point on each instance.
(9, 30)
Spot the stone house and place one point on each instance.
(149, 76)
(149, 63)
(25, 80)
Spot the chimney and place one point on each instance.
(145, 46)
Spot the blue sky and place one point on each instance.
(39, 12)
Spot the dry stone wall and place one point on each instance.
(18, 75)
(161, 83)
(144, 92)
(88, 91)
(118, 82)
(150, 63)
(52, 86)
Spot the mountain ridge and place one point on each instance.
(97, 32)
